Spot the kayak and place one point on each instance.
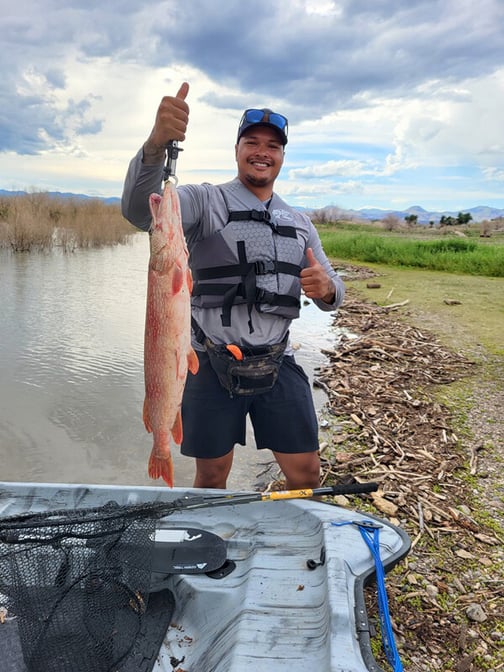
(225, 581)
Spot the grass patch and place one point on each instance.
(443, 253)
(475, 325)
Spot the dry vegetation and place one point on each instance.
(331, 216)
(38, 221)
(438, 464)
(425, 422)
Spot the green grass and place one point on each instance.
(451, 254)
(475, 325)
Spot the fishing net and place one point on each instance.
(78, 582)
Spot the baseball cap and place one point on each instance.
(264, 117)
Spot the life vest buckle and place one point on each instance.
(260, 215)
(263, 296)
(264, 267)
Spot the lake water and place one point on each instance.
(71, 369)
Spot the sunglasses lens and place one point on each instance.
(278, 120)
(254, 116)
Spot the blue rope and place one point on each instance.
(370, 532)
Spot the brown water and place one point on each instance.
(71, 369)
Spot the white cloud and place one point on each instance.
(371, 109)
(343, 168)
(494, 174)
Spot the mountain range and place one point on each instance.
(61, 194)
(478, 213)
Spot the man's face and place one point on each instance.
(259, 155)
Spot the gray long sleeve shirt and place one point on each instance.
(203, 213)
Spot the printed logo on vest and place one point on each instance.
(283, 214)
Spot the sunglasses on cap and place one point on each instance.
(264, 117)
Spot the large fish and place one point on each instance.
(167, 349)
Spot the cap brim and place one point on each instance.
(278, 131)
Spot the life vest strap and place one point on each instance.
(242, 269)
(261, 295)
(261, 216)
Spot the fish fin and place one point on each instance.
(176, 430)
(154, 203)
(189, 280)
(193, 362)
(161, 467)
(146, 418)
(178, 278)
(180, 364)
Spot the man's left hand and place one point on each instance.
(315, 282)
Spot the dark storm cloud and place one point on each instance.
(314, 61)
(36, 39)
(31, 119)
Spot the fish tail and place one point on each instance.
(161, 466)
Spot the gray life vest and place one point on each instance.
(251, 260)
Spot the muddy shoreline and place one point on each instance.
(392, 417)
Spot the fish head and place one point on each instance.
(166, 234)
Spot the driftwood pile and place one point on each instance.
(386, 424)
(389, 429)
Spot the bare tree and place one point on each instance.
(391, 223)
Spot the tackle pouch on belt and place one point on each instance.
(246, 370)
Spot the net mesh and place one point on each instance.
(78, 583)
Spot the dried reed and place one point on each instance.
(39, 221)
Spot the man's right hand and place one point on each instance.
(171, 124)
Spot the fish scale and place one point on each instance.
(168, 354)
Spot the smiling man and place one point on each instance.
(260, 150)
(251, 255)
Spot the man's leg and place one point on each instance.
(213, 423)
(213, 472)
(285, 421)
(301, 470)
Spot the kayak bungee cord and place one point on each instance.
(370, 532)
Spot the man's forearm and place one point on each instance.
(152, 153)
(141, 181)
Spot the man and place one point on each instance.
(250, 255)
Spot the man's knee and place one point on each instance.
(213, 473)
(301, 470)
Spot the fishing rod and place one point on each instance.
(114, 511)
(201, 501)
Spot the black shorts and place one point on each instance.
(283, 419)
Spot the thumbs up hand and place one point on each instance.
(315, 282)
(171, 124)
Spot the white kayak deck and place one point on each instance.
(271, 612)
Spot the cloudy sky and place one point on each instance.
(391, 103)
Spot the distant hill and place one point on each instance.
(479, 212)
(63, 195)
